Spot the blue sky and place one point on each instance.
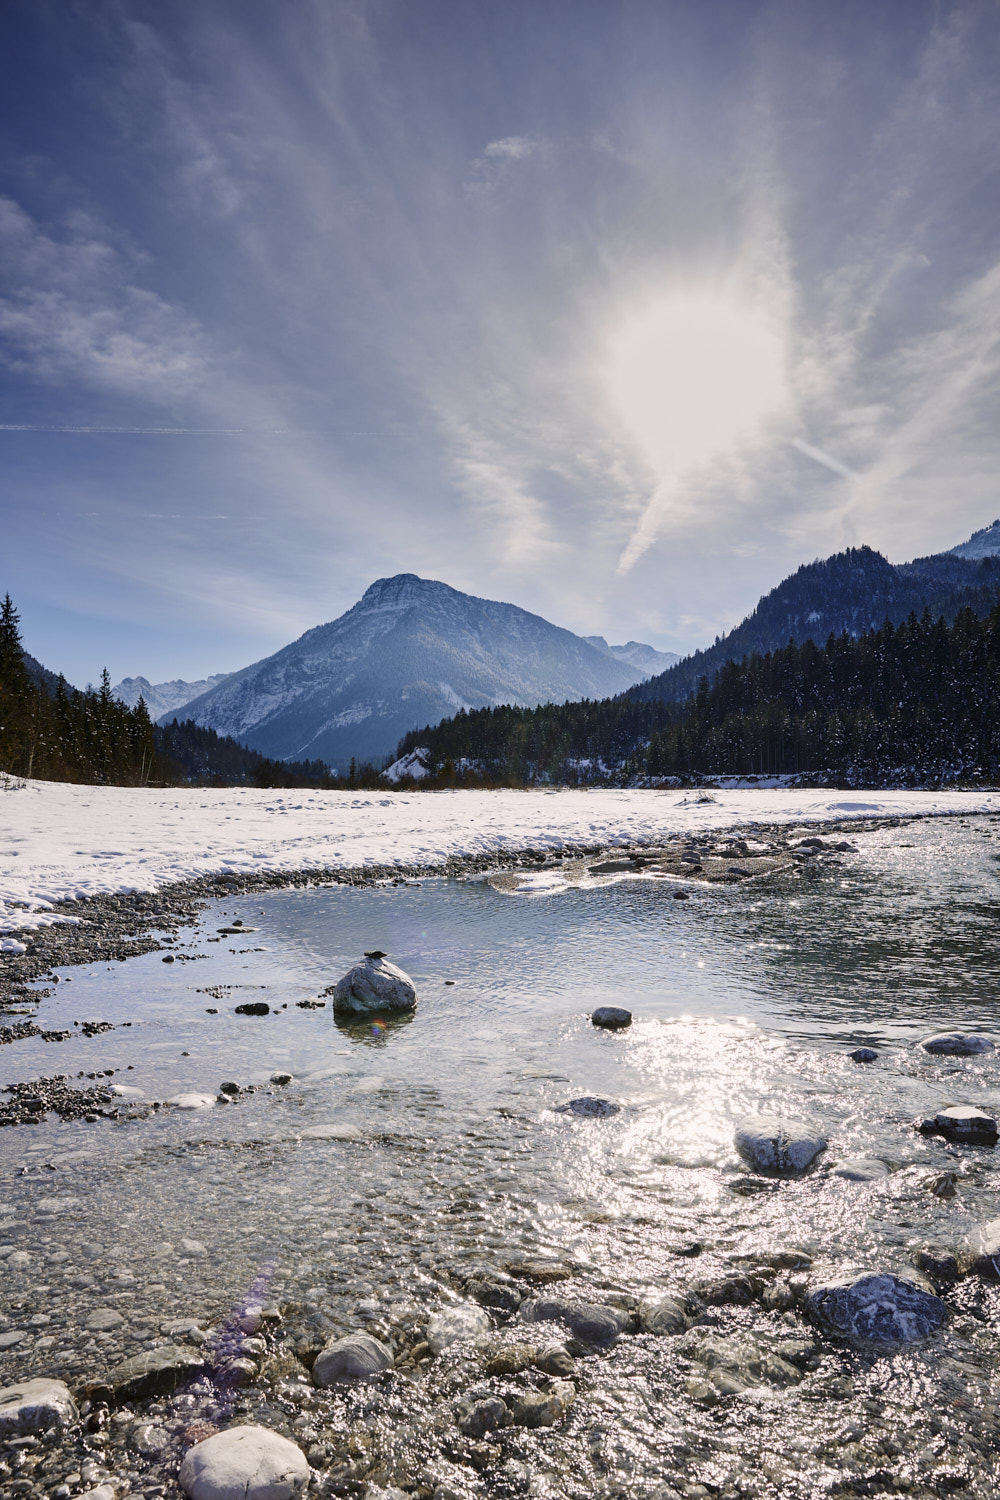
(617, 311)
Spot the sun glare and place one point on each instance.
(694, 376)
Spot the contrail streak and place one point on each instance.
(825, 459)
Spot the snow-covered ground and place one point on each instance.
(58, 842)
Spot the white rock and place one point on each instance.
(773, 1144)
(373, 985)
(103, 1319)
(358, 1356)
(192, 1101)
(453, 1324)
(34, 1406)
(102, 1492)
(244, 1463)
(193, 1247)
(126, 1091)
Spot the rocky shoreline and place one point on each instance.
(433, 1349)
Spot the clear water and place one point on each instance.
(745, 997)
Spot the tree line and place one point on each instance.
(908, 702)
(55, 732)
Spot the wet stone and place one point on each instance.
(981, 1251)
(778, 1146)
(357, 1356)
(880, 1308)
(860, 1169)
(667, 1316)
(589, 1108)
(591, 1323)
(478, 1419)
(453, 1325)
(371, 986)
(155, 1372)
(957, 1044)
(864, 1055)
(937, 1263)
(963, 1123)
(611, 1018)
(542, 1408)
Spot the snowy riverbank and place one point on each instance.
(60, 842)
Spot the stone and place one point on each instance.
(502, 1296)
(937, 1263)
(741, 1363)
(281, 1078)
(149, 1439)
(589, 1322)
(373, 985)
(35, 1406)
(357, 1356)
(963, 1123)
(193, 1247)
(777, 1146)
(879, 1308)
(611, 1017)
(103, 1319)
(589, 1108)
(981, 1251)
(956, 1044)
(542, 1408)
(100, 1491)
(860, 1169)
(244, 1463)
(864, 1055)
(253, 1008)
(483, 1417)
(191, 1101)
(155, 1372)
(555, 1359)
(667, 1316)
(454, 1324)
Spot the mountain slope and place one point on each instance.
(853, 591)
(163, 698)
(645, 659)
(410, 652)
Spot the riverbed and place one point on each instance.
(369, 1176)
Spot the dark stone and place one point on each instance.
(485, 1416)
(682, 895)
(253, 1008)
(981, 1252)
(611, 1017)
(864, 1055)
(598, 1326)
(963, 1123)
(957, 1044)
(880, 1308)
(592, 1108)
(938, 1264)
(155, 1372)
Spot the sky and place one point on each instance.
(617, 310)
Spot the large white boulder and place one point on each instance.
(357, 1356)
(782, 1146)
(373, 985)
(35, 1406)
(244, 1463)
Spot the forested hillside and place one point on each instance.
(913, 702)
(856, 591)
(54, 732)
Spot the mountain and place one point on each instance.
(163, 698)
(410, 652)
(41, 676)
(984, 543)
(645, 659)
(853, 591)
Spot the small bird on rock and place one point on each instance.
(376, 953)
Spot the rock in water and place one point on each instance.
(453, 1324)
(590, 1322)
(592, 1108)
(668, 1316)
(155, 1372)
(374, 984)
(244, 1463)
(864, 1055)
(956, 1044)
(357, 1356)
(861, 1169)
(611, 1017)
(778, 1146)
(961, 1122)
(35, 1406)
(981, 1251)
(542, 1408)
(880, 1308)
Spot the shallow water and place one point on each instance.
(745, 997)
